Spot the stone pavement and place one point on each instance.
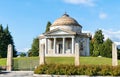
(17, 74)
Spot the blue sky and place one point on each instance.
(27, 18)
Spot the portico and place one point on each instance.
(59, 45)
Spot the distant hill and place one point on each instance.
(18, 53)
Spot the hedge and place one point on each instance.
(91, 70)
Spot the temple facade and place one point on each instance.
(61, 39)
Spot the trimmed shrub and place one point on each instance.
(91, 70)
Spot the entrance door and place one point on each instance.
(60, 48)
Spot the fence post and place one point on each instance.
(77, 53)
(9, 57)
(114, 55)
(42, 54)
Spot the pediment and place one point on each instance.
(60, 32)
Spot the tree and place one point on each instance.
(34, 51)
(91, 48)
(107, 51)
(1, 41)
(98, 40)
(9, 40)
(99, 37)
(118, 53)
(5, 40)
(22, 54)
(48, 26)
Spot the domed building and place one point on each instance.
(60, 40)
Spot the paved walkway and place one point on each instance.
(17, 74)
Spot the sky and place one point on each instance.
(27, 19)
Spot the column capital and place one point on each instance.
(73, 37)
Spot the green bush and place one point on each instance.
(91, 70)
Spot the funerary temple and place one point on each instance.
(61, 38)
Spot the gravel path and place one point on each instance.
(17, 74)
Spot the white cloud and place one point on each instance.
(84, 2)
(113, 35)
(103, 15)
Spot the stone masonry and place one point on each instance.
(77, 59)
(9, 57)
(114, 55)
(42, 55)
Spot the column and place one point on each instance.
(9, 57)
(63, 45)
(46, 46)
(54, 45)
(72, 45)
(114, 55)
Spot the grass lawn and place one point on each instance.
(2, 61)
(62, 60)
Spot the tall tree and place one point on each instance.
(98, 41)
(99, 37)
(5, 39)
(91, 48)
(107, 51)
(48, 26)
(34, 51)
(9, 40)
(1, 41)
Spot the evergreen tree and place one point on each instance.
(9, 40)
(118, 53)
(5, 39)
(98, 41)
(34, 51)
(48, 26)
(1, 41)
(107, 51)
(91, 48)
(99, 37)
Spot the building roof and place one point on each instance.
(66, 20)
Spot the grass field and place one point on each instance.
(64, 60)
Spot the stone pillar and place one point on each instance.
(114, 55)
(77, 57)
(63, 45)
(72, 45)
(87, 47)
(42, 55)
(46, 46)
(9, 57)
(54, 45)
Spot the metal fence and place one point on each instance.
(27, 63)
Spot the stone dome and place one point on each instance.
(66, 20)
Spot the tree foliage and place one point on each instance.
(22, 54)
(98, 40)
(48, 26)
(34, 51)
(5, 39)
(99, 47)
